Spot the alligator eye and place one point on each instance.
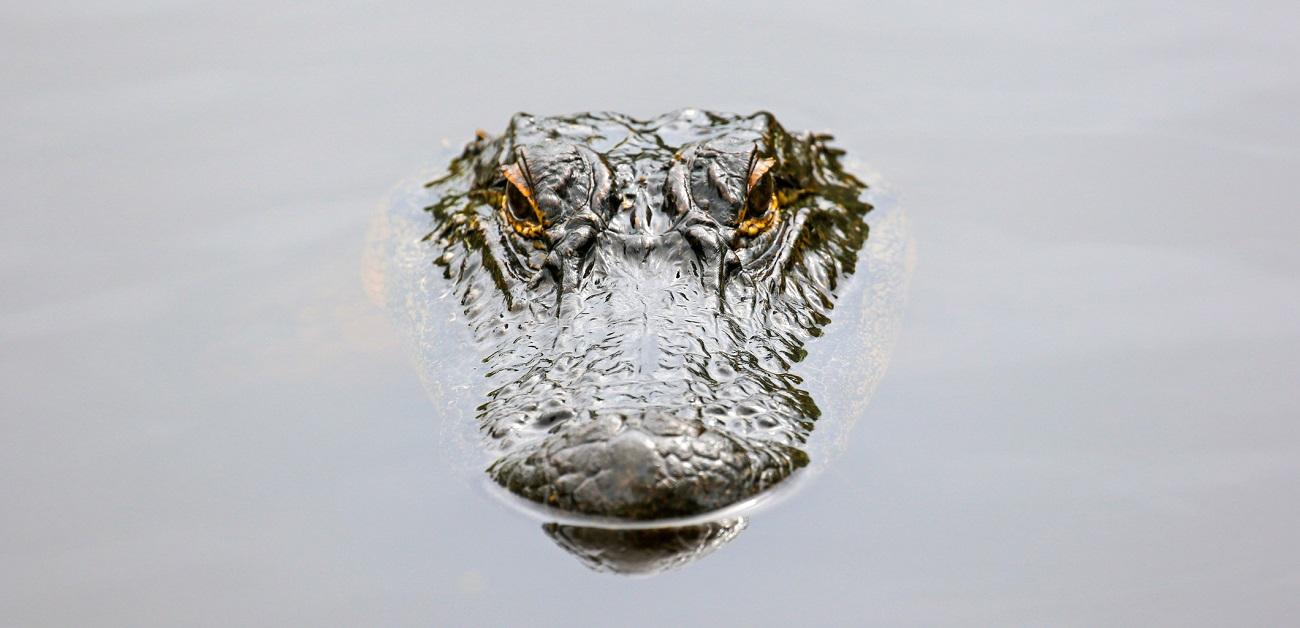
(761, 209)
(518, 204)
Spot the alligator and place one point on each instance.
(639, 292)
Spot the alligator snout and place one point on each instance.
(658, 409)
(645, 466)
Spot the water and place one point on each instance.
(1089, 417)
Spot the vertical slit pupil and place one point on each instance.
(520, 208)
(760, 197)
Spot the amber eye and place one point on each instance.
(761, 209)
(518, 204)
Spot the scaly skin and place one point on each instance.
(640, 290)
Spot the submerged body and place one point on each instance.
(640, 292)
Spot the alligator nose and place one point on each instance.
(631, 470)
(645, 468)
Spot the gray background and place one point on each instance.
(1090, 418)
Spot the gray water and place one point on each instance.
(1089, 419)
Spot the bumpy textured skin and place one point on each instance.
(643, 469)
(639, 343)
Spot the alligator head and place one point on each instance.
(639, 291)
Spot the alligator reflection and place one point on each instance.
(643, 551)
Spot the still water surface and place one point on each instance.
(1090, 416)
